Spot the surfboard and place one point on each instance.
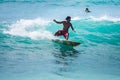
(67, 42)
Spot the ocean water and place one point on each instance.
(27, 28)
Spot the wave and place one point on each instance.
(102, 18)
(34, 29)
(72, 2)
(41, 29)
(22, 0)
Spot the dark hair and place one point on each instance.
(68, 17)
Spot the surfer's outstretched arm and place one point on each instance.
(72, 28)
(58, 21)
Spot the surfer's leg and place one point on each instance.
(66, 35)
(58, 33)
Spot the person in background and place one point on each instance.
(87, 10)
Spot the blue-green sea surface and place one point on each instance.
(27, 51)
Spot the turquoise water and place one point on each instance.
(27, 52)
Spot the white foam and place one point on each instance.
(76, 18)
(105, 17)
(101, 18)
(34, 29)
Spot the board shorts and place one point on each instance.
(61, 32)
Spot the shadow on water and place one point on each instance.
(64, 58)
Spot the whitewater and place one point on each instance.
(27, 51)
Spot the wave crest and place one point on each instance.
(34, 29)
(102, 18)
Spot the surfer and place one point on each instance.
(66, 26)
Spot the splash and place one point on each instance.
(107, 18)
(34, 29)
(102, 18)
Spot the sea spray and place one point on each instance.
(34, 29)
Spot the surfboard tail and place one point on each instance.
(66, 42)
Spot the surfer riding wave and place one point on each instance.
(66, 26)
